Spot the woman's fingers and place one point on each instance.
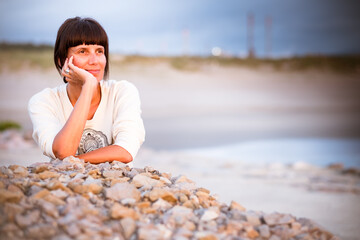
(71, 64)
(65, 69)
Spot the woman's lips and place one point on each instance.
(93, 72)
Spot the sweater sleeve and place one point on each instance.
(43, 109)
(128, 128)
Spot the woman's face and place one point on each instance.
(90, 58)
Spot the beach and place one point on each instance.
(259, 136)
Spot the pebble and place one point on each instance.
(264, 231)
(146, 182)
(70, 199)
(129, 226)
(119, 211)
(121, 191)
(209, 215)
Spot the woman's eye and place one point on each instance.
(100, 51)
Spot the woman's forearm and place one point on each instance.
(107, 154)
(67, 140)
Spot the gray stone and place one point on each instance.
(27, 219)
(145, 181)
(161, 204)
(209, 214)
(129, 226)
(122, 191)
(112, 173)
(253, 219)
(264, 231)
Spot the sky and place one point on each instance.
(195, 27)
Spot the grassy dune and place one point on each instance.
(16, 56)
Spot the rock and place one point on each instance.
(119, 166)
(85, 187)
(235, 205)
(233, 227)
(54, 200)
(60, 194)
(94, 185)
(10, 196)
(27, 219)
(55, 184)
(145, 181)
(128, 202)
(165, 180)
(161, 204)
(274, 237)
(118, 211)
(157, 193)
(203, 199)
(11, 210)
(41, 194)
(49, 208)
(121, 191)
(181, 179)
(119, 180)
(183, 234)
(205, 235)
(129, 226)
(252, 233)
(40, 167)
(112, 173)
(149, 232)
(295, 226)
(48, 174)
(276, 218)
(46, 195)
(264, 231)
(142, 205)
(209, 215)
(41, 231)
(19, 171)
(178, 216)
(166, 175)
(72, 230)
(253, 219)
(189, 204)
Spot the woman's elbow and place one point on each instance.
(61, 153)
(127, 158)
(60, 156)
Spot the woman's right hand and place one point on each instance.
(76, 75)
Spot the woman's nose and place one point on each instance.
(93, 58)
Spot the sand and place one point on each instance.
(218, 106)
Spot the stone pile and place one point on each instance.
(71, 199)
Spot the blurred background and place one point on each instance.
(225, 86)
(240, 75)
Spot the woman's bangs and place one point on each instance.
(88, 34)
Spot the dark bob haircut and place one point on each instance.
(77, 31)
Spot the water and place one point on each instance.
(316, 151)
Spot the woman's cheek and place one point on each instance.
(77, 62)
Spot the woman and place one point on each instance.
(87, 117)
